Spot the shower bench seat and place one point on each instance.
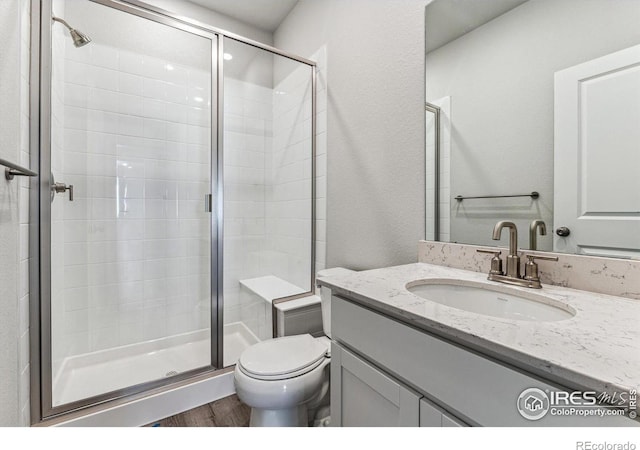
(298, 316)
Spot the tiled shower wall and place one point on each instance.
(320, 57)
(136, 236)
(268, 187)
(288, 201)
(247, 142)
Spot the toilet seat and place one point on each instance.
(283, 358)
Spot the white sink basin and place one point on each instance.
(491, 301)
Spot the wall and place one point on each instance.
(14, 215)
(375, 129)
(500, 79)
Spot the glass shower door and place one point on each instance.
(131, 229)
(268, 189)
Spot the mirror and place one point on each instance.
(538, 110)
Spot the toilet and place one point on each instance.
(285, 380)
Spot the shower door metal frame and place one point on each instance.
(40, 209)
(436, 111)
(41, 386)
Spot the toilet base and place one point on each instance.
(292, 417)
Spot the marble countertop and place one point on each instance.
(597, 349)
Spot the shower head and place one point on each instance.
(79, 38)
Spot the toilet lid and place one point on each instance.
(282, 356)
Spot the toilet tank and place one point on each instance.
(325, 295)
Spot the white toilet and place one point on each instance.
(285, 381)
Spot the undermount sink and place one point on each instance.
(484, 299)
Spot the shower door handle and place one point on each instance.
(60, 188)
(208, 203)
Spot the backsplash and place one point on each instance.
(610, 276)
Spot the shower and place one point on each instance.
(79, 38)
(193, 208)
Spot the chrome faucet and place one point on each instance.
(513, 260)
(531, 277)
(533, 233)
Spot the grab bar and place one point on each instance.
(13, 170)
(533, 195)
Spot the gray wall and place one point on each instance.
(500, 79)
(9, 143)
(14, 210)
(375, 130)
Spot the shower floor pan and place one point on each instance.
(91, 374)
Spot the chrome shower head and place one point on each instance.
(79, 38)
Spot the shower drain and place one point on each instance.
(171, 373)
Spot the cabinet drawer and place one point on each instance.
(476, 389)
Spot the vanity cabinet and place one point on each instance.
(369, 397)
(432, 416)
(387, 373)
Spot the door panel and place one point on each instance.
(597, 156)
(131, 255)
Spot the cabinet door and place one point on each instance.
(430, 416)
(363, 396)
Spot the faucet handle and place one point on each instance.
(496, 262)
(532, 258)
(491, 252)
(531, 268)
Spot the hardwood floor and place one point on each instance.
(226, 412)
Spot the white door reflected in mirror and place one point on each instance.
(596, 149)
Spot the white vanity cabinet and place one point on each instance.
(365, 396)
(386, 373)
(369, 397)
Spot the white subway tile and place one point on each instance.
(131, 63)
(154, 109)
(176, 113)
(175, 74)
(154, 68)
(76, 95)
(154, 129)
(102, 78)
(176, 93)
(101, 143)
(131, 105)
(154, 89)
(129, 83)
(102, 121)
(130, 126)
(102, 100)
(75, 118)
(104, 56)
(76, 73)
